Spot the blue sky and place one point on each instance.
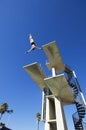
(61, 20)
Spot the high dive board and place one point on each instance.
(54, 57)
(36, 73)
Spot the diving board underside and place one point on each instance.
(54, 57)
(36, 73)
(59, 87)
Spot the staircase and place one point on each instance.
(74, 89)
(81, 114)
(81, 110)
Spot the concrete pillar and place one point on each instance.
(47, 125)
(60, 117)
(53, 72)
(55, 118)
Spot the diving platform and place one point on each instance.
(59, 87)
(36, 73)
(54, 57)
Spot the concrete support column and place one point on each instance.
(47, 125)
(53, 72)
(60, 117)
(55, 118)
(42, 115)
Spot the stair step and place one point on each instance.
(75, 92)
(79, 105)
(81, 108)
(74, 88)
(81, 113)
(81, 116)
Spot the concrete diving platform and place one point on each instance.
(36, 74)
(59, 87)
(54, 57)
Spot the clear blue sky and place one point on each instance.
(61, 20)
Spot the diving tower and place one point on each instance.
(56, 90)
